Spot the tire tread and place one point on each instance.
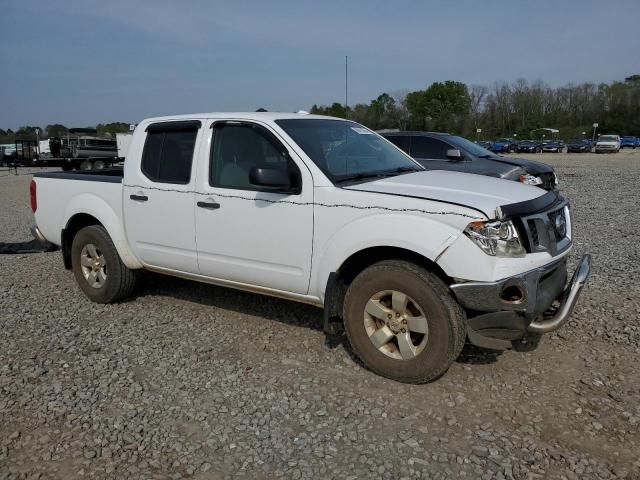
(457, 317)
(123, 280)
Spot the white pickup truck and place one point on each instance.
(324, 211)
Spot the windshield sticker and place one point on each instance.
(361, 131)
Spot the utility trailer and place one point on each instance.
(80, 149)
(28, 153)
(23, 153)
(70, 163)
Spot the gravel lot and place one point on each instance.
(194, 381)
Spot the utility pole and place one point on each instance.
(346, 86)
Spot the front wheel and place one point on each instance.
(402, 322)
(96, 264)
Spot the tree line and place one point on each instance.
(500, 110)
(57, 130)
(503, 109)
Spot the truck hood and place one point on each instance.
(478, 192)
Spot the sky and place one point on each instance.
(80, 63)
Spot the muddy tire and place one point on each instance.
(403, 322)
(100, 273)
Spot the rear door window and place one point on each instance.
(168, 155)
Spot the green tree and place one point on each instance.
(382, 112)
(112, 128)
(442, 106)
(56, 130)
(337, 110)
(27, 133)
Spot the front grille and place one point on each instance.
(535, 241)
(541, 234)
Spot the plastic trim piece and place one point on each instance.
(174, 126)
(109, 176)
(528, 207)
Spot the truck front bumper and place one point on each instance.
(510, 310)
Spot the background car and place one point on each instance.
(502, 145)
(553, 146)
(579, 145)
(608, 144)
(513, 144)
(529, 146)
(628, 141)
(443, 151)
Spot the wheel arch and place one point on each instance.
(73, 226)
(88, 210)
(339, 280)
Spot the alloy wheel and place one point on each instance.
(94, 265)
(396, 325)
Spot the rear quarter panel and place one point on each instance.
(60, 199)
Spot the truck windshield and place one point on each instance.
(345, 150)
(607, 138)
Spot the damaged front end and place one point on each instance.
(521, 307)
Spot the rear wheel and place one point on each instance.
(99, 272)
(402, 322)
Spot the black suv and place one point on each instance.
(443, 151)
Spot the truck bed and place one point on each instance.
(111, 175)
(60, 195)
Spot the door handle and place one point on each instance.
(209, 205)
(139, 198)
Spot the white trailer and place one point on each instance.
(122, 141)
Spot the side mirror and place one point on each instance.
(454, 154)
(271, 179)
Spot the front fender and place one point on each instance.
(98, 208)
(424, 236)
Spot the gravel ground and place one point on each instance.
(193, 381)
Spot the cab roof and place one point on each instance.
(263, 116)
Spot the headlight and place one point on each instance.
(530, 180)
(496, 238)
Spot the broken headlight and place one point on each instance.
(530, 180)
(496, 238)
